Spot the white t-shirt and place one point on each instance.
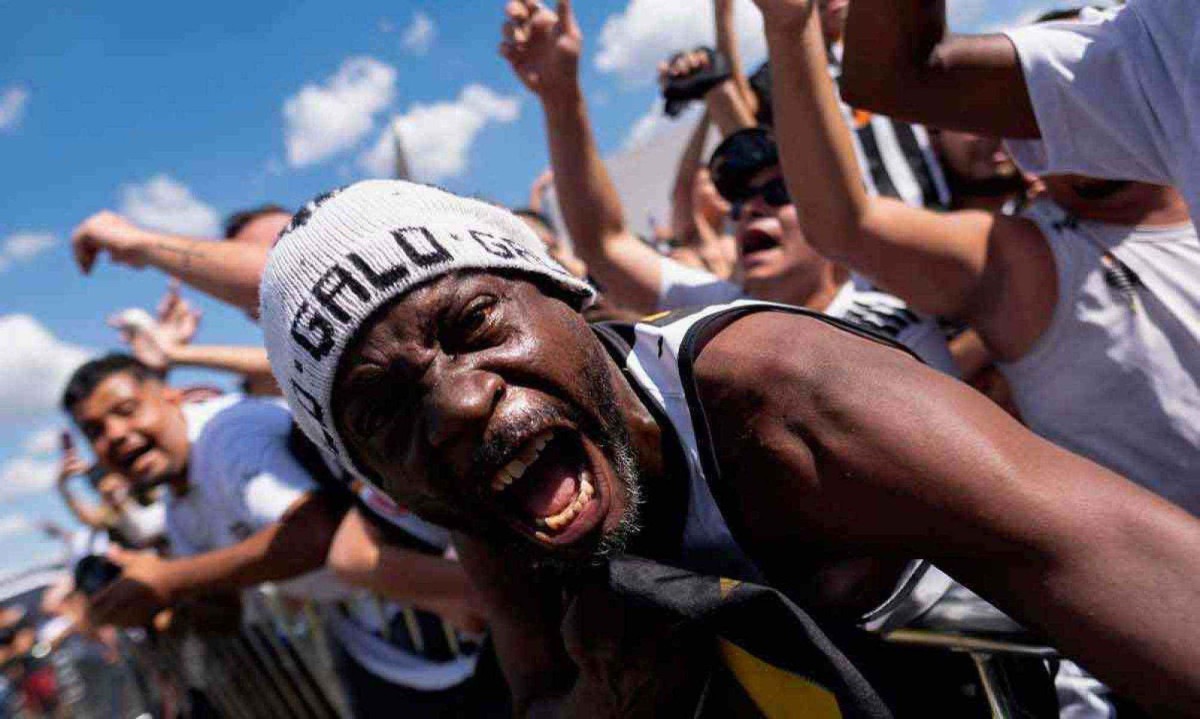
(243, 477)
(684, 286)
(1117, 95)
(1116, 375)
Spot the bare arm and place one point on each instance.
(360, 556)
(546, 58)
(682, 210)
(247, 360)
(727, 44)
(870, 451)
(229, 271)
(296, 544)
(994, 272)
(961, 82)
(72, 465)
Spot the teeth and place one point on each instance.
(563, 518)
(516, 469)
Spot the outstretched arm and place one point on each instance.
(296, 544)
(727, 44)
(543, 48)
(960, 82)
(869, 451)
(229, 271)
(992, 271)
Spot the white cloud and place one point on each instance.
(163, 203)
(23, 246)
(634, 41)
(418, 37)
(25, 475)
(15, 524)
(438, 137)
(655, 123)
(324, 119)
(12, 107)
(34, 368)
(44, 441)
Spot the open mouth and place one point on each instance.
(753, 241)
(551, 490)
(128, 460)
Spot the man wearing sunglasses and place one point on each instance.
(776, 263)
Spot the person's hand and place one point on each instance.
(682, 65)
(134, 598)
(71, 463)
(538, 189)
(542, 46)
(108, 232)
(789, 13)
(177, 319)
(147, 342)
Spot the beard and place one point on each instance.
(604, 426)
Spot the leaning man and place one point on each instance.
(429, 345)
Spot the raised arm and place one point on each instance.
(992, 271)
(543, 48)
(902, 61)
(727, 43)
(294, 545)
(229, 271)
(89, 514)
(683, 220)
(869, 450)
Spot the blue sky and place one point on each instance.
(178, 114)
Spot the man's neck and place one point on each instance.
(663, 492)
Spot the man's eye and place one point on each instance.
(473, 323)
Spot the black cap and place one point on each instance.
(740, 157)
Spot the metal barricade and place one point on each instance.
(277, 664)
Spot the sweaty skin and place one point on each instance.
(839, 449)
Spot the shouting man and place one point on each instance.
(429, 345)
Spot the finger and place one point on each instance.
(508, 31)
(566, 17)
(85, 256)
(516, 11)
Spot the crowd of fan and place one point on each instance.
(415, 340)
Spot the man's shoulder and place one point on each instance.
(759, 351)
(243, 427)
(250, 414)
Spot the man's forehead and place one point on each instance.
(111, 390)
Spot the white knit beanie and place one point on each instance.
(348, 253)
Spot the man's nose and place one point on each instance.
(755, 207)
(461, 404)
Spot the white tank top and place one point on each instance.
(660, 362)
(1115, 375)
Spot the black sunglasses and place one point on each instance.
(774, 193)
